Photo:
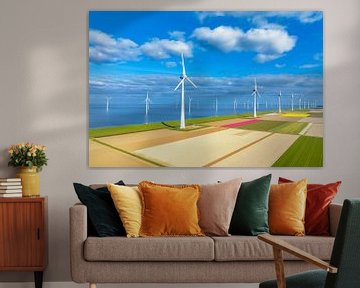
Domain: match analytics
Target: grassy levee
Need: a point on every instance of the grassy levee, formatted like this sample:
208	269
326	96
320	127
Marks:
125	129
283	127
306	151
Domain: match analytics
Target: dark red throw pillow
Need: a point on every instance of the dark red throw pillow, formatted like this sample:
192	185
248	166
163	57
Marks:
319	197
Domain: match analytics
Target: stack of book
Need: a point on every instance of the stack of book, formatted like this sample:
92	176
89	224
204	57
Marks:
10	187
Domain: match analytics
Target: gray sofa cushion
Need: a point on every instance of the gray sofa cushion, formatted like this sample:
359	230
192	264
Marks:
149	249
249	248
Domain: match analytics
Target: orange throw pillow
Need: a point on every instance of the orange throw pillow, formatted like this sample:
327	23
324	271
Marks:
287	204
318	200
169	210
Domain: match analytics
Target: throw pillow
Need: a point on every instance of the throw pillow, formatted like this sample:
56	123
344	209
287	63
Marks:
102	215
169	210
216	206
250	215
127	201
318	200
287	204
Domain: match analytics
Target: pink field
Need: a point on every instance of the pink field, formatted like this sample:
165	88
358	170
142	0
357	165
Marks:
242	123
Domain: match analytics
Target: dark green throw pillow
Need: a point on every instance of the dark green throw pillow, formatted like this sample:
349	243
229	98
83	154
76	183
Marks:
250	216
103	218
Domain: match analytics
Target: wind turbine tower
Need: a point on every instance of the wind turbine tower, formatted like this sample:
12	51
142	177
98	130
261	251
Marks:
147	104
279	99
292	101
190	99
235	105
107	103
183	77
216	106
256	95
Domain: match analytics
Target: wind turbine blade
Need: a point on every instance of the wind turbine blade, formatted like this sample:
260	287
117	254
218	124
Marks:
183	63
259	94
179	84
192	83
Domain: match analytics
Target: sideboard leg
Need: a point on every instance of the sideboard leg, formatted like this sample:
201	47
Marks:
92	285
38	279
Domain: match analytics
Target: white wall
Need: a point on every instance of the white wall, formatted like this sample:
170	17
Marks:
43	90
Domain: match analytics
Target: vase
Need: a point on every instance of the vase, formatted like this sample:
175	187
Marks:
30	181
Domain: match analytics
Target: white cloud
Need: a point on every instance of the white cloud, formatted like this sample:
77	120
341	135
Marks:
302	16
104	48
270	44
318	57
279	66
224	38
203	15
170	64
267	41
309	66
310	16
262	58
177	35
164	48
97	37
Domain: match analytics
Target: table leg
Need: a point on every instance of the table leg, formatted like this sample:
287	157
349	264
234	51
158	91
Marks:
38	279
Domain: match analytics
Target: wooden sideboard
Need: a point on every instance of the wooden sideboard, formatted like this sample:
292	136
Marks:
23	235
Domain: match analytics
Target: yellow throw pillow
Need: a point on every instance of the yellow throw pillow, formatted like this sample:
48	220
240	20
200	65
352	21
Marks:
287	203
127	201
169	210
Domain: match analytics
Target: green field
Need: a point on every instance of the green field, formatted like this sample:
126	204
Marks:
283	127
304	152
118	130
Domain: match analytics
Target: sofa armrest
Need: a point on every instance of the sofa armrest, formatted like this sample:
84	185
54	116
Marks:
334	217
78	235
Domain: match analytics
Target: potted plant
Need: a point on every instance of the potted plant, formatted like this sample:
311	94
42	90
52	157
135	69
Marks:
30	158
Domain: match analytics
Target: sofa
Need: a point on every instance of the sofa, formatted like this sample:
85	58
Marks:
233	259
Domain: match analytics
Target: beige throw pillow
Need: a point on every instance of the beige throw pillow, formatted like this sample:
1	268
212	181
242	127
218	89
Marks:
216	206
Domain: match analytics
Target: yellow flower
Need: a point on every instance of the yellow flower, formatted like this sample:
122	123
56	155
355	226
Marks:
28	154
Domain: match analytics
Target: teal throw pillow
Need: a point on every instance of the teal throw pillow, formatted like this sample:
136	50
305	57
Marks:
250	216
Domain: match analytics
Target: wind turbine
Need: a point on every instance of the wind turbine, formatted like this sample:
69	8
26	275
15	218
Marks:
256	95
147	103
292	101
190	99
183	77
147	107
107	103
216	106
235	105
280	102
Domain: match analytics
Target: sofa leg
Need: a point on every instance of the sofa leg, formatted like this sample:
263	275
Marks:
92	285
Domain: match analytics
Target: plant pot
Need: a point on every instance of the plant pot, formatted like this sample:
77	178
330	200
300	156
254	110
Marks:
30	181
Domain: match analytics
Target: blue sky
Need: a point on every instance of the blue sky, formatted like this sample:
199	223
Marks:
131	52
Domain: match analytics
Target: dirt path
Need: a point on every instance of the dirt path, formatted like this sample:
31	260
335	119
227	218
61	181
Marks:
261	154
200	150
140	140
103	156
